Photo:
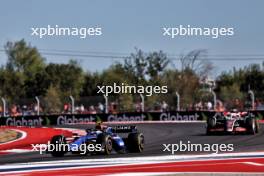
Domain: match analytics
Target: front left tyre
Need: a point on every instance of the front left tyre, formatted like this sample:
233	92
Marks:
106	143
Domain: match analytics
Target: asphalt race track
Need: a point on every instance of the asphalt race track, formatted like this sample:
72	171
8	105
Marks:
155	136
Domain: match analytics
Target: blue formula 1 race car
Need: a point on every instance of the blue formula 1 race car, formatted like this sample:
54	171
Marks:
102	140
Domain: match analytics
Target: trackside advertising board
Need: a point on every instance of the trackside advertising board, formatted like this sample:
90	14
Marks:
46	120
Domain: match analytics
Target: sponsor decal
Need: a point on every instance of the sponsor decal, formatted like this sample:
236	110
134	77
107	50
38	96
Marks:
120	117
72	119
24	122
124	117
177	117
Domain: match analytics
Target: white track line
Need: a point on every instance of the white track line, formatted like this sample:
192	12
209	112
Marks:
135	160
17	150
29	165
253	163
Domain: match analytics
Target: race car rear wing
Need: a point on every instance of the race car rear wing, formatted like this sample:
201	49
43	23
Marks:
124	129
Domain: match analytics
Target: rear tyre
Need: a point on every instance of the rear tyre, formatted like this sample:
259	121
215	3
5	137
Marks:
135	142
58	146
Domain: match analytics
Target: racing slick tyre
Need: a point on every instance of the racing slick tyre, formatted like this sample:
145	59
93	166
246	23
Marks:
106	142
58	146
252	125
135	142
211	122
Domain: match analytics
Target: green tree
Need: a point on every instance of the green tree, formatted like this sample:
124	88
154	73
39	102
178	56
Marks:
52	100
69	78
136	64
25	66
91	80
157	62
24	58
238	82
229	93
12	84
145	67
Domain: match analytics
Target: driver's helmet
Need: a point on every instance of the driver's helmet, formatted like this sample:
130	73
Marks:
99	126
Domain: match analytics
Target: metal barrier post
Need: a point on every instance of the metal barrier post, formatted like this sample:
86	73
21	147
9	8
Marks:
38	104
178	101
252	96
214	94
72	104
4	106
142	103
106	104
